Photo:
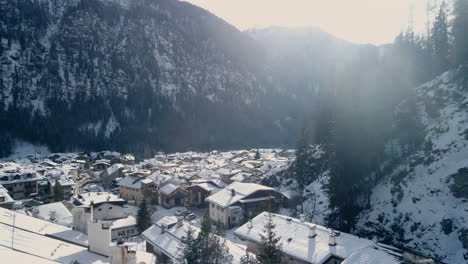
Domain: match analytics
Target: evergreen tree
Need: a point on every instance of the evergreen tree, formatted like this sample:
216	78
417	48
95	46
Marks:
248	259
58	192
301	165
207	247
257	155
460	32
143	217
269	250
191	250
440	40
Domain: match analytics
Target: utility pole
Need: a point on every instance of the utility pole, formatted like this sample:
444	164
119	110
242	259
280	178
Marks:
13	230
12	215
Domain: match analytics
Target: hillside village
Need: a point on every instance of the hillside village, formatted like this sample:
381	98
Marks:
83	207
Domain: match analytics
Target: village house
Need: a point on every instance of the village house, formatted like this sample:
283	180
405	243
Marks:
171	195
67	186
164	239
112	173
239	202
199	191
138	188
304	242
96	205
20	184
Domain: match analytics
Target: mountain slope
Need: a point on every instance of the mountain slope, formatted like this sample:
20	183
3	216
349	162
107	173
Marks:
133	75
423	202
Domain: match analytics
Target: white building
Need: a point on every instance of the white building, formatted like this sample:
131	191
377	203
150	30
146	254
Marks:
99	205
304	242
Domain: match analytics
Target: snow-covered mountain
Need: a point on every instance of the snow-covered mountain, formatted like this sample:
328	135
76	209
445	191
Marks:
423	202
135	75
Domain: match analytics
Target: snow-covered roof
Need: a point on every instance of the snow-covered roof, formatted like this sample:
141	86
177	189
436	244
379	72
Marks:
169	241
168	188
53	212
224	198
42	227
131	182
372	255
47	247
295	240
208	187
13	256
123	222
97	198
114	168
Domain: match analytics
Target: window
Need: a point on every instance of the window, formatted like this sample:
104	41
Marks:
110	208
100	209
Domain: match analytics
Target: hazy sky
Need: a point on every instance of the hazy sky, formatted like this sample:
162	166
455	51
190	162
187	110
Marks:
359	21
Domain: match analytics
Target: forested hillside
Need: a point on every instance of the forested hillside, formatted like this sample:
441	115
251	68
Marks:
134	76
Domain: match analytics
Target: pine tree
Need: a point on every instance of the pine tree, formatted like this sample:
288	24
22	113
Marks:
440	40
301	165
58	192
460	32
248	259
257	155
269	250
143	217
207	247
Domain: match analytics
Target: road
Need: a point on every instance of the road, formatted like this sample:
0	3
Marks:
90	178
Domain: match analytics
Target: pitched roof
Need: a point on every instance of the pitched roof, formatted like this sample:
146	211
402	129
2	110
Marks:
169	241
168	188
131	182
224	198
54	212
42	227
46	247
294	236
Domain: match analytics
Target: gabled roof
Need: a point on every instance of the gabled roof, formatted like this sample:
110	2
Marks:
295	240
224	198
169	188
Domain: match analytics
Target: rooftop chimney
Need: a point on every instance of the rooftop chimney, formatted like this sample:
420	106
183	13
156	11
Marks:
233	193
312	231
108	198
179	222
332	241
249	224
163	228
302	217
